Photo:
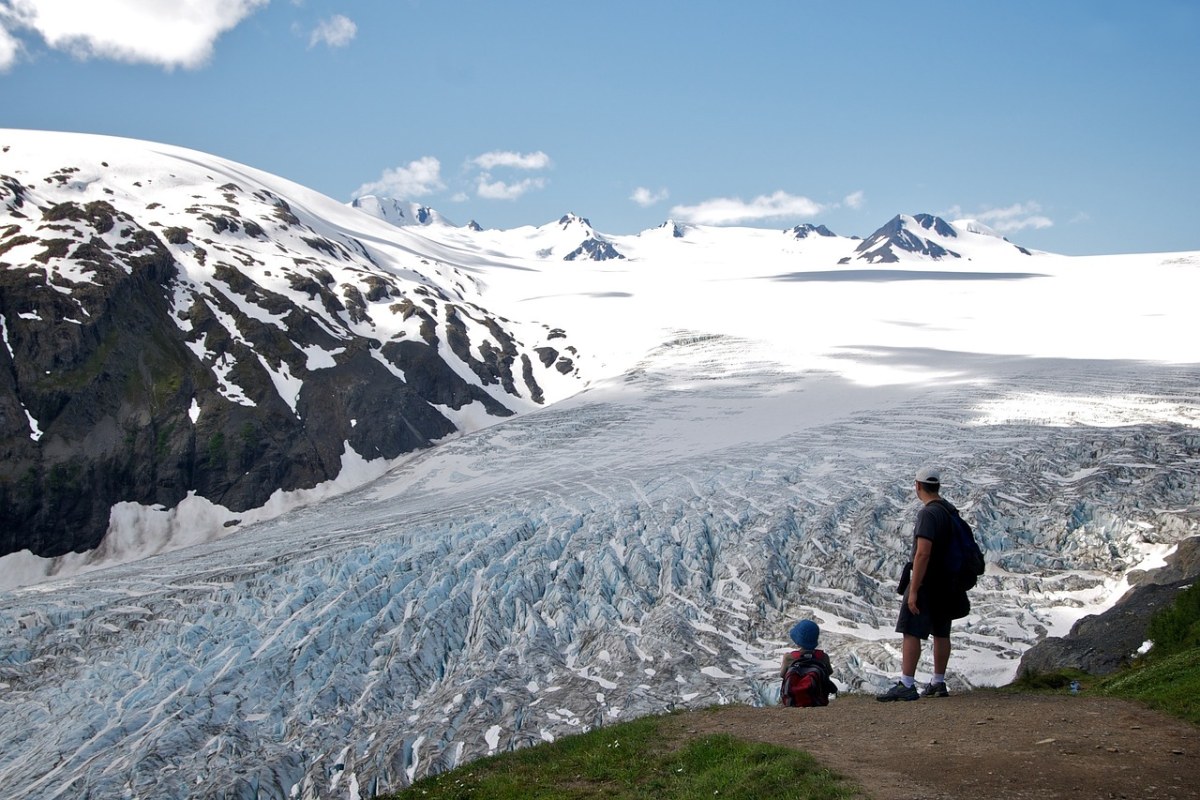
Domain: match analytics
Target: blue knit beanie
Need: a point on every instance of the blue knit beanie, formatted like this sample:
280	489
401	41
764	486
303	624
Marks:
805	633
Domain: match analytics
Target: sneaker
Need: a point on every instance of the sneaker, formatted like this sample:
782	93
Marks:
899	692
935	690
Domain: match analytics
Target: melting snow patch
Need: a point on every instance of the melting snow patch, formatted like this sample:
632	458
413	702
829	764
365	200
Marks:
411	769
714	672
35	431
320	358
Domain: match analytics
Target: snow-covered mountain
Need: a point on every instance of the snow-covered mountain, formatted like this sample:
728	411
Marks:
180	329
808	229
925	236
398	212
742	456
569	238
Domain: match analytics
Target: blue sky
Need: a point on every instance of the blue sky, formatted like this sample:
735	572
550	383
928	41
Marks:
1068	125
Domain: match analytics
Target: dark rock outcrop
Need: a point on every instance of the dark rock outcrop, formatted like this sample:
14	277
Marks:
593	249
1103	643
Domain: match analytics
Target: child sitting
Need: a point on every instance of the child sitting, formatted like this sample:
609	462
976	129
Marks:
807	673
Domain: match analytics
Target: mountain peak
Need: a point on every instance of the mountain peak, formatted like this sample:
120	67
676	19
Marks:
926	236
907	236
398	212
808	229
677	230
936	224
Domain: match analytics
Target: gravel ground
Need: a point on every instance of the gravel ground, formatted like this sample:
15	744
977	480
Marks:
982	745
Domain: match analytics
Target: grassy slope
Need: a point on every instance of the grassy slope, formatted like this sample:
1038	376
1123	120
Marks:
636	760
1170	684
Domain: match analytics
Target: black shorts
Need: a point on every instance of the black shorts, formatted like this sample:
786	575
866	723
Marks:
934	617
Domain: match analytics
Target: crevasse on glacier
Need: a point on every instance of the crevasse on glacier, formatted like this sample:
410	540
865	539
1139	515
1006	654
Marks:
612	556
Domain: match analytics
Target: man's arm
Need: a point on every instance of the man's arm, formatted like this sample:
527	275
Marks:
919	567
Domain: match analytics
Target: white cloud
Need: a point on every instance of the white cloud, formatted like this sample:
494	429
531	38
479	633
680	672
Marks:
10	48
337	31
732	210
500	190
1016	217
175	34
419	178
646	198
490	189
855	200
506	158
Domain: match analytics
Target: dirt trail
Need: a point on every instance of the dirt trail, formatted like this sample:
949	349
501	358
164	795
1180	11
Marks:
982	745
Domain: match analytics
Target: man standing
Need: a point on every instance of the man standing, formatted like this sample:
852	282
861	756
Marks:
928	603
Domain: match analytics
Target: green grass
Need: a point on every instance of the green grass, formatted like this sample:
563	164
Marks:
638	760
1170	684
1177	627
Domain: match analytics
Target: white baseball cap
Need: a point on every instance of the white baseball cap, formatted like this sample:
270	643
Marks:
929	475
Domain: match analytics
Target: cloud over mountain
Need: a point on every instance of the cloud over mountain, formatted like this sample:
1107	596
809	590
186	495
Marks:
417	179
733	210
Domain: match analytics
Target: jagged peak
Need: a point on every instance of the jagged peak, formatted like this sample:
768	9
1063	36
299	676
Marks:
935	224
570	218
677	230
898	234
808	229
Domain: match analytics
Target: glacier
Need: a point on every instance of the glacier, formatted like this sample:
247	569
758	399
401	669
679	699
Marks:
742	456
580	565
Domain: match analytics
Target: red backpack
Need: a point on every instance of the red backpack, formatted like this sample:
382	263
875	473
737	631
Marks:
806	682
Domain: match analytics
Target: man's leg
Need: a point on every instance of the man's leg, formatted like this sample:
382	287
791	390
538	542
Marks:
910	654
941	654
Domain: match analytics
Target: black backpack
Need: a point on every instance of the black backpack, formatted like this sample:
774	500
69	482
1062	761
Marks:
964	560
805	683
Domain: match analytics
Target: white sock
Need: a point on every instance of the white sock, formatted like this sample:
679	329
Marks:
908	680
938	678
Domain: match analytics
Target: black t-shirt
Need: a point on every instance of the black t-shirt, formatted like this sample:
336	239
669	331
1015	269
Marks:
933	523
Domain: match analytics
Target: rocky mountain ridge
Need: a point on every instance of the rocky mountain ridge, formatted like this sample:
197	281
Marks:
175	328
922	235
